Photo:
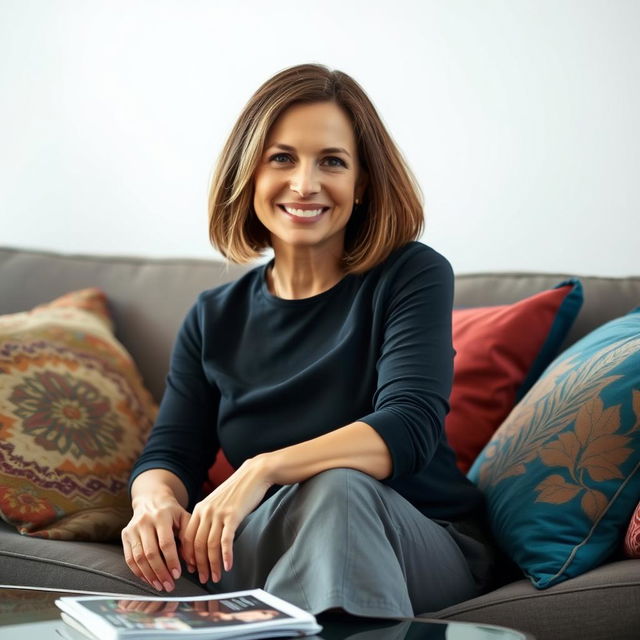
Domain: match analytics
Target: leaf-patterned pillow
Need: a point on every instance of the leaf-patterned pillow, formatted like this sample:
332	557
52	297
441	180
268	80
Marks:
562	473
74	416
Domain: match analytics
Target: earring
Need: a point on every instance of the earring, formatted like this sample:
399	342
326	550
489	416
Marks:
357	201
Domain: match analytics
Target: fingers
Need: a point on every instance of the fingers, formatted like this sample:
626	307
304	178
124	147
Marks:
208	545
186	546
152	555
226	543
207	551
136	558
186	542
169	552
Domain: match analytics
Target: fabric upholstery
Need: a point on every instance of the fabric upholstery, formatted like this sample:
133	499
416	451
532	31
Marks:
148	298
600	604
75	565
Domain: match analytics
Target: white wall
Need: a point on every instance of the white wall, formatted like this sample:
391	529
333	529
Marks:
519	118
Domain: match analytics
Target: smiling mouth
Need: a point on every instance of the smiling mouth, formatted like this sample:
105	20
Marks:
302	214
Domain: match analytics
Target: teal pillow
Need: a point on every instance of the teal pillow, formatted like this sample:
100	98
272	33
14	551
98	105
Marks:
561	474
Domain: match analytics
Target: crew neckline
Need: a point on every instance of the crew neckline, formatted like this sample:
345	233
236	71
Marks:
297	301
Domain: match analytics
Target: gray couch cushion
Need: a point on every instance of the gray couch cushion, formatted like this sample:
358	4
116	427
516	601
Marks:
86	566
603	603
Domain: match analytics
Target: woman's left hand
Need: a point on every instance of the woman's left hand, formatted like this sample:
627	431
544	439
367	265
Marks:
207	541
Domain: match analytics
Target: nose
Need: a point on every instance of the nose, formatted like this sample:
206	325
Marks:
305	180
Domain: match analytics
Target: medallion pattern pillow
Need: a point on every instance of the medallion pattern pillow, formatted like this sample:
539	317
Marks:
562	473
74	415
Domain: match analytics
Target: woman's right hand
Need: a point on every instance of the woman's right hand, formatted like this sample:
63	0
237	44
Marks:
149	540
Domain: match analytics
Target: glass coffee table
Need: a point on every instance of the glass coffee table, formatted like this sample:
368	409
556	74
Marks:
30	614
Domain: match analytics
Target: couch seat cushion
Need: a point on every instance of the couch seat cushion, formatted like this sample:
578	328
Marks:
74	565
602	603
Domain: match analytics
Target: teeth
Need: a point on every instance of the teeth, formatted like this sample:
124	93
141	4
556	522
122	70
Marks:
302	213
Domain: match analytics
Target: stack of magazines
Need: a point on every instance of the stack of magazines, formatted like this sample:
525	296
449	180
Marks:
241	614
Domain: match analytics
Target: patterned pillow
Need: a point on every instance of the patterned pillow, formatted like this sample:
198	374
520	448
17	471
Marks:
561	475
632	539
500	352
74	416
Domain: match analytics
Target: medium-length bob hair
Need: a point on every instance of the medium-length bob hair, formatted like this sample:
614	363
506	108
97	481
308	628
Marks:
390	213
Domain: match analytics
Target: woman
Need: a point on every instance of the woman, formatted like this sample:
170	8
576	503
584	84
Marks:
323	375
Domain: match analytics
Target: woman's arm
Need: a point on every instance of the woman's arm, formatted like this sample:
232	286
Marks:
159	481
167	477
158	498
355	446
207	543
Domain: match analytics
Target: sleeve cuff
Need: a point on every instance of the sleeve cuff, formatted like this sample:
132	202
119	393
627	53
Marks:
389	425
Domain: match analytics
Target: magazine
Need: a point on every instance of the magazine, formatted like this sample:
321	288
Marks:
242	614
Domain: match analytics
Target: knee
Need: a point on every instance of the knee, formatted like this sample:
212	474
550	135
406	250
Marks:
339	485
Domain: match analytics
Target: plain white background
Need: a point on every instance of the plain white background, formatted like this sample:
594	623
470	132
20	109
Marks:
518	117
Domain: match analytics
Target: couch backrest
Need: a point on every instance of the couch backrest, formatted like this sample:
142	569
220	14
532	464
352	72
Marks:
149	297
604	298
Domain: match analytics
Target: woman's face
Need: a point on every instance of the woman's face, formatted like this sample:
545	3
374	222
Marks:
310	163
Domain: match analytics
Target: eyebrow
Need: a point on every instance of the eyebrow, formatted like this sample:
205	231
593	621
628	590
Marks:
286	147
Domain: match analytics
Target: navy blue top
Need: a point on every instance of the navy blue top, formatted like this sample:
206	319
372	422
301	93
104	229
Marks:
251	372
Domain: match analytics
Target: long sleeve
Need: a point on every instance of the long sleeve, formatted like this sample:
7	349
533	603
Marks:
415	366
184	436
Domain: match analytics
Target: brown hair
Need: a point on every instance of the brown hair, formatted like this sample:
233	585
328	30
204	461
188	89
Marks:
390	213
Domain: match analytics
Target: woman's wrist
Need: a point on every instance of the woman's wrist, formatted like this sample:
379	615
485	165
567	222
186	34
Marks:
265	466
158	483
159	493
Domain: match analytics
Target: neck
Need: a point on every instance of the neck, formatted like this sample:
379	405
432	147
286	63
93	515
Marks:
303	274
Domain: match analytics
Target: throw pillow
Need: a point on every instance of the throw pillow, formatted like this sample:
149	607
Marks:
632	539
218	472
74	415
500	352
561	475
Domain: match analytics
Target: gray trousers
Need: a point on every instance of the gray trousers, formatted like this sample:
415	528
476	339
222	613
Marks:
344	540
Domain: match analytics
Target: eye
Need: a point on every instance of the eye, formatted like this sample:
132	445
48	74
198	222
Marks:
340	160
279	155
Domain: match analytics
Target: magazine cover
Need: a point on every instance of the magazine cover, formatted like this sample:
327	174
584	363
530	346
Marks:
253	613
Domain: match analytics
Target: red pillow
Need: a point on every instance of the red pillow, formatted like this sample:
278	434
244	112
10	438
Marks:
218	472
500	352
632	539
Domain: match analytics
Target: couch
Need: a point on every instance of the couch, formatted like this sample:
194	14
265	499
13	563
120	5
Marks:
148	298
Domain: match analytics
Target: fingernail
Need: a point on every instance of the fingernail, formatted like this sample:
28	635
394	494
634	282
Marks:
190	568
175	573
202	578
157	585
168	586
